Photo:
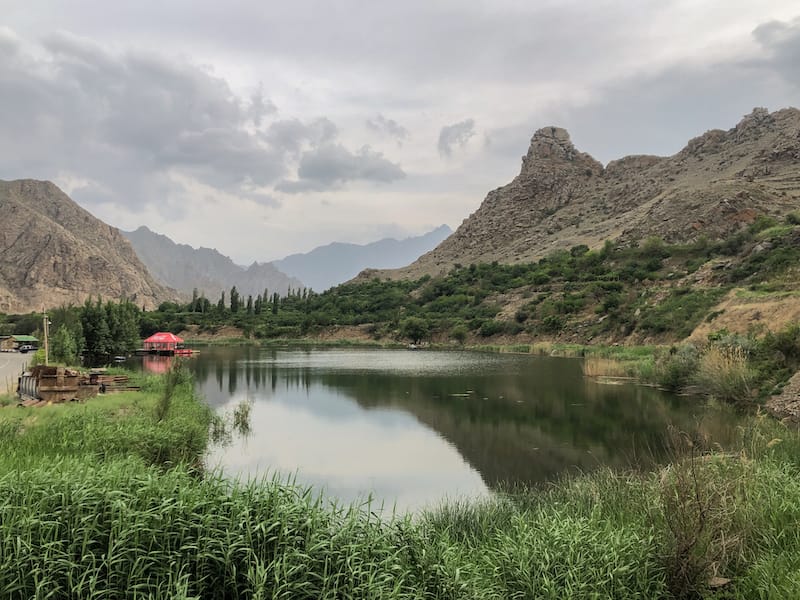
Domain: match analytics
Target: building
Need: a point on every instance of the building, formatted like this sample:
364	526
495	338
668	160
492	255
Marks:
9	343
163	343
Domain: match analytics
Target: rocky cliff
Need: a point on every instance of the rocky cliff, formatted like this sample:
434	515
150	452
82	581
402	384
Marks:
721	181
53	252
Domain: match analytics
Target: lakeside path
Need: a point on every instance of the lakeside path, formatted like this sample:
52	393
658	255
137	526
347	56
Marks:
10	368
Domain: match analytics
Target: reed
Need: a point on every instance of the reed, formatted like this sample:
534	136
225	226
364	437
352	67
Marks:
105	501
724	372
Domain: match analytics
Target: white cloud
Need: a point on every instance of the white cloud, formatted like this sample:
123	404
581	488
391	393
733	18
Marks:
268	109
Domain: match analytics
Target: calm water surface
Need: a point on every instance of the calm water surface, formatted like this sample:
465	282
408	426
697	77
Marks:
412	428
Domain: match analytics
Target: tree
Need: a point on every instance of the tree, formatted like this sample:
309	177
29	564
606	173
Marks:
64	346
221	303
275	302
95	328
235	301
249	305
414	328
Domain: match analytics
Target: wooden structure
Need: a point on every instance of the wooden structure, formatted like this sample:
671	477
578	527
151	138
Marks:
51	385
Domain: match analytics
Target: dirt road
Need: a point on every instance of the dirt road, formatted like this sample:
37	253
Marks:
11	364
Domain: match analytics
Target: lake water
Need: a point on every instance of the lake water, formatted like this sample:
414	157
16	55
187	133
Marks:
413	428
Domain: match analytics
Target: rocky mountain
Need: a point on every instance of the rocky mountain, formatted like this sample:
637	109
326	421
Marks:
53	252
721	181
336	263
210	272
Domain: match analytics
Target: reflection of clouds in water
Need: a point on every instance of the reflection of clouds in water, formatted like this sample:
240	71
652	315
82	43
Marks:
391	456
393	361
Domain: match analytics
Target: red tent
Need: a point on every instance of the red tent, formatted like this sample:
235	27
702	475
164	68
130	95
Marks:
162	341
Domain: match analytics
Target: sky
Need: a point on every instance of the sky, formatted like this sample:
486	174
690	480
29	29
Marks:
265	128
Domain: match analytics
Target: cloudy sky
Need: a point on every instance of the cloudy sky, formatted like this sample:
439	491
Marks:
263	128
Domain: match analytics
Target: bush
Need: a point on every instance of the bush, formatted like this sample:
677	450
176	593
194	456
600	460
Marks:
675	369
492	327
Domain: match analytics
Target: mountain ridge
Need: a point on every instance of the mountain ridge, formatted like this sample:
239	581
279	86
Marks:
54	252
337	262
719	182
205	269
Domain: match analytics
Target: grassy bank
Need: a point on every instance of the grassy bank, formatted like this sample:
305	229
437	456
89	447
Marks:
106	499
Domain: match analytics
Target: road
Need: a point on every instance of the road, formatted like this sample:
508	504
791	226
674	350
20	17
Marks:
11	364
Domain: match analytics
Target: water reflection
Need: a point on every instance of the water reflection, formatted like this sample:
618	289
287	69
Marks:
416	426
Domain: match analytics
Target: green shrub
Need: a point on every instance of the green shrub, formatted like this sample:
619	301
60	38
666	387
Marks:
675	368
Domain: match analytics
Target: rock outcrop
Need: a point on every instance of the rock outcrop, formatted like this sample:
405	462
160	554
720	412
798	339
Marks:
721	181
53	252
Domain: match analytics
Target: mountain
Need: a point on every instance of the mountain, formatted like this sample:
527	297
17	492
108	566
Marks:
720	182
336	263
210	272
53	252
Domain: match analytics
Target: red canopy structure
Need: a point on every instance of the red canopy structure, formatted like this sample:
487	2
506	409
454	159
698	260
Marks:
162	341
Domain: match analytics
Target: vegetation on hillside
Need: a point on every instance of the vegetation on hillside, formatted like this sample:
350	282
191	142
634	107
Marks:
653	291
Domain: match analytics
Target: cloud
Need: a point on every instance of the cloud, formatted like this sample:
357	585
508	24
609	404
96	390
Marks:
128	120
292	135
388	127
331	165
457	134
782	42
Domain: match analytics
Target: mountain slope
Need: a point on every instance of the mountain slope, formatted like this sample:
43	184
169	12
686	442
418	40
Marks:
336	263
717	184
210	272
53	252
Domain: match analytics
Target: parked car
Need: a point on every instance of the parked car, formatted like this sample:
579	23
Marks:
25	348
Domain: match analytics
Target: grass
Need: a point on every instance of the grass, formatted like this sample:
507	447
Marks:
106	500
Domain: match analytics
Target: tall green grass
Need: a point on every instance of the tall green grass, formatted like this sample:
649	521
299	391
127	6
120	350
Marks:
105	500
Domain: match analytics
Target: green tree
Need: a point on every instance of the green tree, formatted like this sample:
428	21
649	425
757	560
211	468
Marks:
96	333
414	329
235	300
64	346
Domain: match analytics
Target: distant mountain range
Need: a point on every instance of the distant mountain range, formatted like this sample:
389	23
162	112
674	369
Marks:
210	272
187	268
330	265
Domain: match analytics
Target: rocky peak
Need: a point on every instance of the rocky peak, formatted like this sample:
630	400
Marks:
552	142
720	182
553	145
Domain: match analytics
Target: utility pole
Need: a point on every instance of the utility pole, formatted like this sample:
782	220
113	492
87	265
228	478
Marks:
46	343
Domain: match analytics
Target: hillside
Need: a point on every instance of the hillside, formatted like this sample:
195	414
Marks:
53	252
720	182
336	263
186	268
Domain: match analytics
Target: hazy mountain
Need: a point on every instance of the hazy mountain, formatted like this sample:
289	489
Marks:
53	252
186	268
720	182
336	263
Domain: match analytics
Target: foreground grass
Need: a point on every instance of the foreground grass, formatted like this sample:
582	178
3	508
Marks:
105	500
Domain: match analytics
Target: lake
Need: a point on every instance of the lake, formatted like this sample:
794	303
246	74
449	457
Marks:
411	428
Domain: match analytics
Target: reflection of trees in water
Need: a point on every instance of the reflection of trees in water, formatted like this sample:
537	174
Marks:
529	425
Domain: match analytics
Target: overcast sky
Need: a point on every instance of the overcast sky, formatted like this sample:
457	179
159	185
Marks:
264	128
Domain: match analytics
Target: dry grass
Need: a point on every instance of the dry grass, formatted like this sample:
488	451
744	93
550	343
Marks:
741	310
724	372
605	367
